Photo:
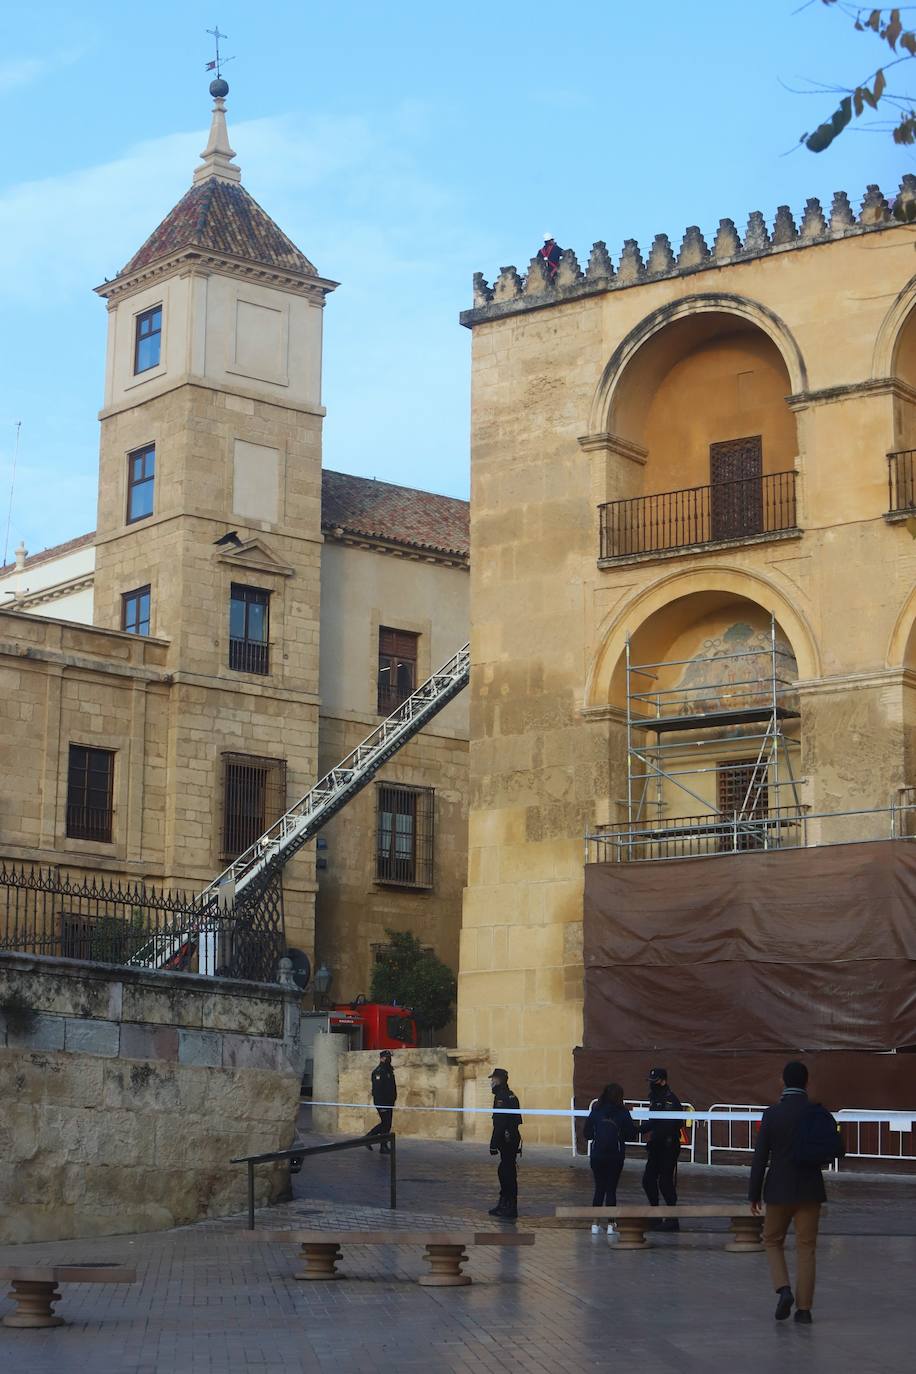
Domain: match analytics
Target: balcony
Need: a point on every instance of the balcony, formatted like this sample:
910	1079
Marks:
249	656
901	482
745	510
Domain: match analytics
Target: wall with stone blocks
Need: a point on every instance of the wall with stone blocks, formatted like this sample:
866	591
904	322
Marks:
425	1078
126	1093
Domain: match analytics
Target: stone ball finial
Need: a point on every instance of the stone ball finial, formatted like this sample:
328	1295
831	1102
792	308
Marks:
219	88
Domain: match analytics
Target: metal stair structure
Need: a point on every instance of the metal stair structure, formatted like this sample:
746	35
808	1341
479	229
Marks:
253	870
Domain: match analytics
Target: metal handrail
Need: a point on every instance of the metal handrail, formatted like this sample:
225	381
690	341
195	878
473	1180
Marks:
298	1153
742	508
901	481
768	826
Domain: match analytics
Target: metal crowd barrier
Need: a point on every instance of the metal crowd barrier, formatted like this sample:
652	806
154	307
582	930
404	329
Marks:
866	1139
740	1136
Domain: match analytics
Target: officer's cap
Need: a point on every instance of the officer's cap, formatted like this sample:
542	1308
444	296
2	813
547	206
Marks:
658	1075
500	1073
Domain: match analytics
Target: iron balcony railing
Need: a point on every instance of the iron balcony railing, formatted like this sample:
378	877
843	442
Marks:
901	481
787	827
249	656
734	510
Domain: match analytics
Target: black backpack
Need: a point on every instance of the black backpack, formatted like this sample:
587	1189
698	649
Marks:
607	1142
817	1138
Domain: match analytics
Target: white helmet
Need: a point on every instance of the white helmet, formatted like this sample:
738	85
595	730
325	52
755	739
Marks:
548	238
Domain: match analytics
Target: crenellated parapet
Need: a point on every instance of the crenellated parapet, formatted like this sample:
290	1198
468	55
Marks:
512	293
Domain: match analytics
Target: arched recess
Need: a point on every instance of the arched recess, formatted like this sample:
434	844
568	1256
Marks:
885	357
735	582
739	308
901	650
895	356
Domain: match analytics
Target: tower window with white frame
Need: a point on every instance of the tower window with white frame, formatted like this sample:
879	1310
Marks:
148	339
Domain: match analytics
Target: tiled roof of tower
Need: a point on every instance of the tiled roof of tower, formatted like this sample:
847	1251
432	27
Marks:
423	519
220	216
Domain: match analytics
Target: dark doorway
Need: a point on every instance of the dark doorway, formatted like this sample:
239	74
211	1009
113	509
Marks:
736	488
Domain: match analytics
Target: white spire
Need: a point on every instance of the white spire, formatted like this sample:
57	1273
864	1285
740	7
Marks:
217	156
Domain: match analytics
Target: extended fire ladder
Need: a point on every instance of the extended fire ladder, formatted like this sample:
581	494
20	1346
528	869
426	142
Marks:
264	859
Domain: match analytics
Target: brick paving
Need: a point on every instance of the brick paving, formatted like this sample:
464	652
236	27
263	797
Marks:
209	1300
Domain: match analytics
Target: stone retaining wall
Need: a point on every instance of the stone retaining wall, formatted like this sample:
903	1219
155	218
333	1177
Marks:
126	1092
425	1078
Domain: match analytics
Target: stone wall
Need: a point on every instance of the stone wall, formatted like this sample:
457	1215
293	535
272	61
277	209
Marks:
126	1093
425	1078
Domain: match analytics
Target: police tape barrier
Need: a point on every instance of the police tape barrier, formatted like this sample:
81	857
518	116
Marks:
903	1121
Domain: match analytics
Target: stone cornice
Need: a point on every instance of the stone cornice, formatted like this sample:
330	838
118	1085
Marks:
134	401
872	386
415	553
608	443
201	259
52	593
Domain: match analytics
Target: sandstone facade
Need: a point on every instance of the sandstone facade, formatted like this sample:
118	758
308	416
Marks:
611	385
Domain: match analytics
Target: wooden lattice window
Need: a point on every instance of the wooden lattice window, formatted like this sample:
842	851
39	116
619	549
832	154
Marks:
743	792
736	488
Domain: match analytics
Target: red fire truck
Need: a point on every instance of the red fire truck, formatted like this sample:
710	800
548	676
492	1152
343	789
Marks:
376	1025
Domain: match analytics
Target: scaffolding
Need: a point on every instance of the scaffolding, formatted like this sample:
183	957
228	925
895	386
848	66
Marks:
764	809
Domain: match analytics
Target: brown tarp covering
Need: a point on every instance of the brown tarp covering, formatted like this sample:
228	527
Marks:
722	967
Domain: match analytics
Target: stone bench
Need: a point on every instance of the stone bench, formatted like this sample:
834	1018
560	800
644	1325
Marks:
446	1251
632	1222
35	1289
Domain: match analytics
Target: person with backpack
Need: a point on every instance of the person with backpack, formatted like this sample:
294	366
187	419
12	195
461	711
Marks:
796	1141
609	1126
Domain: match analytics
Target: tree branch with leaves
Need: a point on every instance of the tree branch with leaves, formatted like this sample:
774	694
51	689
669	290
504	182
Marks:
887	26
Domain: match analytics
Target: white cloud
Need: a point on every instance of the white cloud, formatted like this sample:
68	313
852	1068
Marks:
17	72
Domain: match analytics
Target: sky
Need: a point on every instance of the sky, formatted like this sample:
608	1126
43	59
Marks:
402	147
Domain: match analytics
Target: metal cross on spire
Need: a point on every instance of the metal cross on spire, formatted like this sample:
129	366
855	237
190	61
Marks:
219	62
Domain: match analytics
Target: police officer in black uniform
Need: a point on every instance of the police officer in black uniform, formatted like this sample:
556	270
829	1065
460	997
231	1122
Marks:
506	1141
384	1096
663	1146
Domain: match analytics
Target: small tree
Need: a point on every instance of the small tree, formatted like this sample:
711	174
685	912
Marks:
414	977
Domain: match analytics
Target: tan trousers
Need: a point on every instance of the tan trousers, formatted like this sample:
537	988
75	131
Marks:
779	1217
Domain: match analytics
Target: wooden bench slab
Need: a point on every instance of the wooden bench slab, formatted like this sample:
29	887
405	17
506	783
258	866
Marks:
34	1288
632	1222
445	1250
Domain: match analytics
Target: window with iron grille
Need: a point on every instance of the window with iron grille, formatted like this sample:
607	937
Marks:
249	625
254	796
141	478
397	667
90	790
743	792
135	611
404	835
148	339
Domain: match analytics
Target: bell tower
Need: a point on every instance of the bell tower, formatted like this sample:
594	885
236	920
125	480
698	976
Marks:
210	497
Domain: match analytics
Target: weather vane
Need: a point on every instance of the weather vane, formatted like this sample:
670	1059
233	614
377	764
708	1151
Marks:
218	62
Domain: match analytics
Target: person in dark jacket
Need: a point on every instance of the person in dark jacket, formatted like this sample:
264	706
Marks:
791	1191
663	1146
506	1141
384	1095
609	1126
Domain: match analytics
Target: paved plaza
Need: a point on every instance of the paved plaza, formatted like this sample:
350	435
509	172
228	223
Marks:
209	1299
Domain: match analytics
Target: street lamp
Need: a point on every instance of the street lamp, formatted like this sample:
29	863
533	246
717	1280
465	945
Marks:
321	982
